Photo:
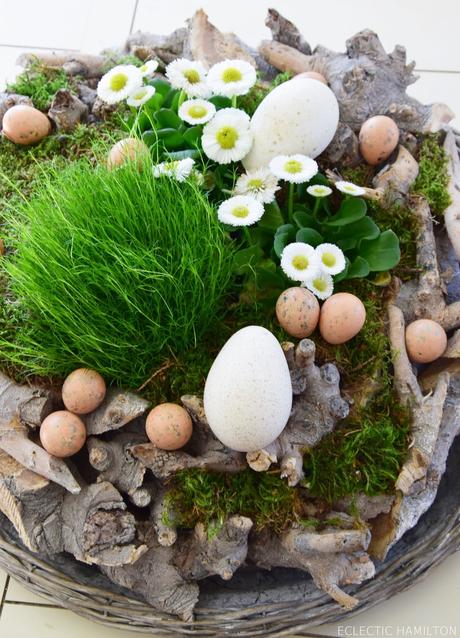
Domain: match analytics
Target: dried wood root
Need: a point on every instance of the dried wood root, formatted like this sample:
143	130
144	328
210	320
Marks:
317	408
398	177
8	100
284	31
67	110
332	557
452	212
118	409
72	62
30	404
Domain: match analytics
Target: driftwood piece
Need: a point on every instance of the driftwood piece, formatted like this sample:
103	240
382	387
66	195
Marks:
163	518
118	409
284	31
426	411
7	100
165	47
332	557
72	62
452	212
367	507
67	110
398	177
30	404
316	409
344	148
97	529
374	194
32	504
366	81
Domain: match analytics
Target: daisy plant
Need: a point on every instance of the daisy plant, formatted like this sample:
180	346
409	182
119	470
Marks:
294	169
261	184
178	169
118	83
227	137
232	78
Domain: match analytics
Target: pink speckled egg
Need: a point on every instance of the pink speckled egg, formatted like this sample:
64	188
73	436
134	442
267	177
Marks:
342	317
24	125
62	434
127	150
83	391
169	426
297	311
312	75
426	340
378	138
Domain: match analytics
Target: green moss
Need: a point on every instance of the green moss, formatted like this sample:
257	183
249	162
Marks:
259	91
40	83
211	497
433	177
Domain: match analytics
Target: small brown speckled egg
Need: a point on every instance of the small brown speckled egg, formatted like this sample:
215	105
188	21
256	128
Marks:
378	138
125	150
312	75
23	124
342	317
62	434
297	311
83	391
169	426
426	340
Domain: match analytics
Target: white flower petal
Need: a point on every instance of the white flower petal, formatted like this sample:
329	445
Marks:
118	83
350	189
260	184
294	168
240	210
321	284
299	261
318	190
331	258
227	137
140	96
231	77
188	76
197	111
148	68
178	169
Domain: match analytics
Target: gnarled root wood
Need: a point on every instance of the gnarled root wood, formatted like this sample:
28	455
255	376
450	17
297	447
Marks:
317	408
398	177
67	110
72	62
118	409
452	212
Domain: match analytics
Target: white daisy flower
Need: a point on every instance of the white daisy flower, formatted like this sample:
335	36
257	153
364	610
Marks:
140	96
300	261
231	77
188	76
261	184
331	258
350	189
227	137
197	111
318	190
240	210
321	284
294	168
178	169
148	68
119	83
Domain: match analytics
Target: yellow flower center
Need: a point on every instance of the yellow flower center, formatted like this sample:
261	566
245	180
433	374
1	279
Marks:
231	75
139	94
118	81
171	166
192	75
349	188
328	259
240	211
197	111
227	137
143	68
293	166
320	284
300	262
255	184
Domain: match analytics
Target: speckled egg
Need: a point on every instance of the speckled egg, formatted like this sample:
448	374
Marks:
378	138
297	311
426	340
311	75
342	317
169	426
62	434
83	391
25	125
126	150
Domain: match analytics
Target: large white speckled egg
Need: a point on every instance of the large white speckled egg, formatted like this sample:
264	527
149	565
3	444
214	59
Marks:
296	117
248	392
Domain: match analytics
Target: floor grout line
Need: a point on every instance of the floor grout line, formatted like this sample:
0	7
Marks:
447	71
136	4
31	46
5	589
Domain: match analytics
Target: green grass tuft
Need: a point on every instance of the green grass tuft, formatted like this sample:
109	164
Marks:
433	176
113	270
40	83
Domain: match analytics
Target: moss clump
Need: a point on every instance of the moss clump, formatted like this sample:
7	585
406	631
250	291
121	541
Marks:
259	91
210	498
40	83
113	270
433	177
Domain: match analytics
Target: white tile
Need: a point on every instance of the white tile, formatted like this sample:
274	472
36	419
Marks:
19	621
84	25
3	577
17	593
427	30
439	87
434	601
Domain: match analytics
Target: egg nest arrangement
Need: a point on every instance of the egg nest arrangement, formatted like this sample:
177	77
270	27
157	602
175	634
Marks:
229	321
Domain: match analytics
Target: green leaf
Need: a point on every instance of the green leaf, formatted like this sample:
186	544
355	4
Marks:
286	228
166	118
150	137
245	260
348	243
180	155
193	134
220	102
171	138
382	253
280	243
272	217
358	269
309	236
350	211
303	220
364	228
144	123
161	86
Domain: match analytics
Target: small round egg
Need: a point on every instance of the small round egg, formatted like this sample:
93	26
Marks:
297	311
23	124
83	391
62	434
426	340
378	138
342	317
169	426
125	150
312	75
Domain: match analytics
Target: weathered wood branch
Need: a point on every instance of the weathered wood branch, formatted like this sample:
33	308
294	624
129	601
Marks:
72	62
452	212
118	409
285	32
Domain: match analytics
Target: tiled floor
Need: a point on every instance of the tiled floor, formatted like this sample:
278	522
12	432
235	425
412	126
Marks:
429	32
